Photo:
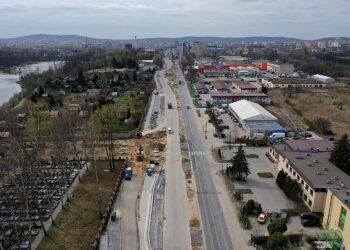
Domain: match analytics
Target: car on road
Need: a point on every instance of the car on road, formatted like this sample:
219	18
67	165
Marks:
170	131
156	93
311	222
274	216
262	218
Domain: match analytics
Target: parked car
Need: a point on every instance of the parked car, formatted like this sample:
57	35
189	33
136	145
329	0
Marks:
284	216
170	131
274	216
312	222
262	218
307	215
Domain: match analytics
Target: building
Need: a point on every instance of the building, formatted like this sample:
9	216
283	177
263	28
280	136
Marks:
336	215
5	135
322	78
280	68
307	161
92	94
254	118
226	60
146	65
308	44
200	88
186	48
220	99
199	49
221	87
292	82
321	44
244	87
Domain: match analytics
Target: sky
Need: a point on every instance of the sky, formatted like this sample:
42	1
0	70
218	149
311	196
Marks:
117	19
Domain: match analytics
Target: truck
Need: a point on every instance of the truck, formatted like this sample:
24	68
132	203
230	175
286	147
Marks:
170	106
128	174
277	135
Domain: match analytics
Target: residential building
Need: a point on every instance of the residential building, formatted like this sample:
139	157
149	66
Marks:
292	82
336	215
307	161
5	135
200	88
146	65
308	44
254	118
280	68
219	99
186	48
91	94
199	49
54	113
244	87
221	87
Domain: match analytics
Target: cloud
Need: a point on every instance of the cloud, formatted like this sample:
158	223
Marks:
149	18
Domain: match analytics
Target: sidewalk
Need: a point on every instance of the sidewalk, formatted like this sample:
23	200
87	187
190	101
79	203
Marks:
145	211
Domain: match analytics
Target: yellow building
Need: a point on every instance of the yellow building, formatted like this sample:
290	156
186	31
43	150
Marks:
337	214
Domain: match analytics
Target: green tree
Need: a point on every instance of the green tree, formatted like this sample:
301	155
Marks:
340	155
281	178
158	60
250	206
239	168
81	79
292	189
264	89
277	241
278	225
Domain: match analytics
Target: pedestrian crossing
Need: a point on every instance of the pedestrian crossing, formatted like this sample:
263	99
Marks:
197	153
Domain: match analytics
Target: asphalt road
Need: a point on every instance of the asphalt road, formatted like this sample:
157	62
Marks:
176	224
214	226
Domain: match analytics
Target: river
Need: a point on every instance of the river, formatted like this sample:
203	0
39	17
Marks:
8	81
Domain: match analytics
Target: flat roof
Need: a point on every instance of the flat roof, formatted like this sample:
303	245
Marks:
264	126
314	167
343	195
294	80
237	94
220	85
243	85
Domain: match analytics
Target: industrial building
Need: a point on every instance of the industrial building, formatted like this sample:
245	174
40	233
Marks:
280	68
244	87
224	99
322	78
292	82
255	119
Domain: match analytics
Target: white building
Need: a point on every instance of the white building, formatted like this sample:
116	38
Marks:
322	78
254	118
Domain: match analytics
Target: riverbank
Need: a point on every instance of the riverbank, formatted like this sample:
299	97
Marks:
11	93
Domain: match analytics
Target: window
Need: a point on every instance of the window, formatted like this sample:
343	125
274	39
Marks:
305	197
342	218
310	203
311	192
307	187
302	182
293	173
298	177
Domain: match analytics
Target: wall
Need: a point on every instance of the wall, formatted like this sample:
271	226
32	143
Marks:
331	217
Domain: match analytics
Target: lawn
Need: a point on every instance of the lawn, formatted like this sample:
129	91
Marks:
76	225
265	175
244	190
252	156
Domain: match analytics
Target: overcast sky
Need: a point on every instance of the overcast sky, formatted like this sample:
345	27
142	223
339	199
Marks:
308	19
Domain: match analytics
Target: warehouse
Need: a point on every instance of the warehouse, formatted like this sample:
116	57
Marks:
255	119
